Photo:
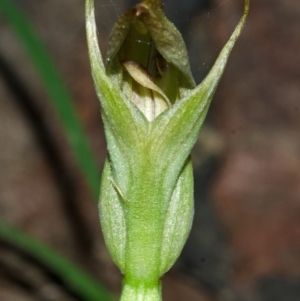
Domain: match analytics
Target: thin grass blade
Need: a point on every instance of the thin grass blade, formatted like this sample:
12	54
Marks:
75	278
57	91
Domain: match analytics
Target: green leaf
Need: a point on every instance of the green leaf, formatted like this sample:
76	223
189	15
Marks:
112	216
178	218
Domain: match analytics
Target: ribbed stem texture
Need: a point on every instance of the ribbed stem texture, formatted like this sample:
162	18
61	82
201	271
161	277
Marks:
141	292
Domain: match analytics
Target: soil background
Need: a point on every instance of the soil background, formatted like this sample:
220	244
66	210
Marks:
245	241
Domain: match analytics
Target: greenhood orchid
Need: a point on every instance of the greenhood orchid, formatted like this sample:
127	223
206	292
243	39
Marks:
152	113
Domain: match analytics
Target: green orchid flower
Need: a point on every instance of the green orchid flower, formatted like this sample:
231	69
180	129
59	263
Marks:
152	113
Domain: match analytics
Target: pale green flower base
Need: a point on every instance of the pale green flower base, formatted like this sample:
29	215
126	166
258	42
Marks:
141	292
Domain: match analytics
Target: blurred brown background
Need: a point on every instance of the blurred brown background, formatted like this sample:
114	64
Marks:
245	243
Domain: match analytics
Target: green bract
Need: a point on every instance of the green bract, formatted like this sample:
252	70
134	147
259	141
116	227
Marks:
152	114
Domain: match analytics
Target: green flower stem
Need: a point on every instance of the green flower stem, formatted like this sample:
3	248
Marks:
141	292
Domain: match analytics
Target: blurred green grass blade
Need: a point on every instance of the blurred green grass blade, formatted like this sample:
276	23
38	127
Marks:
58	94
76	279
